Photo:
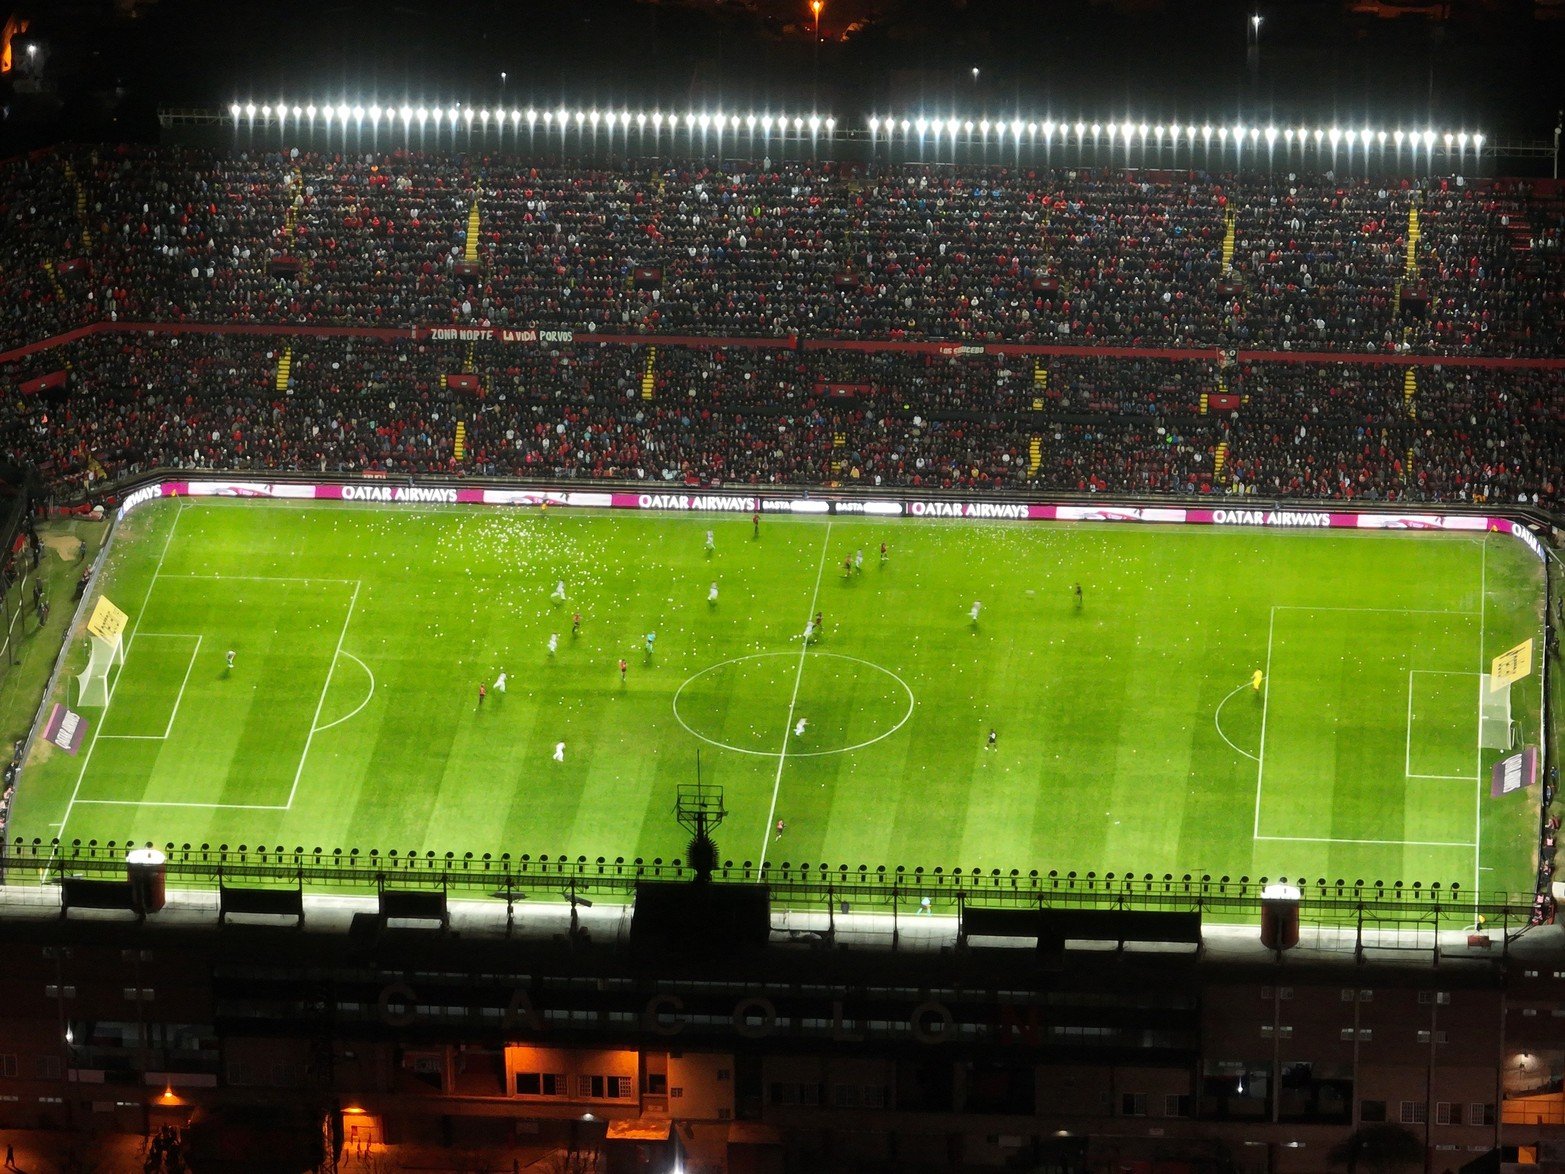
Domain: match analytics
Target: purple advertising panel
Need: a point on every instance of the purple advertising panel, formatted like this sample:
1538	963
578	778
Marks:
65	728
386	492
1515	772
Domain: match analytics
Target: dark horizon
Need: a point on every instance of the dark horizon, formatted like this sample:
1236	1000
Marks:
1483	66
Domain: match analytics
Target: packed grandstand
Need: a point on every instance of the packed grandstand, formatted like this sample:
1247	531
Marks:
769	323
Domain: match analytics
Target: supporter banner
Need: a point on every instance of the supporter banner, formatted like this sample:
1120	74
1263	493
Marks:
45	382
462	382
1513	773
384	491
71	266
65	728
1220	402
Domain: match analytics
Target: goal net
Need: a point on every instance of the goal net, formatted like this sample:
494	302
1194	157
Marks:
105	629
1494	714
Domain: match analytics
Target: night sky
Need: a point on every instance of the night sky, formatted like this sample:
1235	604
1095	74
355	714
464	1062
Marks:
1484	64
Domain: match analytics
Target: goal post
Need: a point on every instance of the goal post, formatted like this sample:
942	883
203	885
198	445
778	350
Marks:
1494	713
106	633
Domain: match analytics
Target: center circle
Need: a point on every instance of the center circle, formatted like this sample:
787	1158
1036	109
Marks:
744	704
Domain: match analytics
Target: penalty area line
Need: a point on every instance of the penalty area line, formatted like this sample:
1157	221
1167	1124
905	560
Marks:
331	668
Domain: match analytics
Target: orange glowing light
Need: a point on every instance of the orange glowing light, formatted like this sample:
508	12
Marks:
15	26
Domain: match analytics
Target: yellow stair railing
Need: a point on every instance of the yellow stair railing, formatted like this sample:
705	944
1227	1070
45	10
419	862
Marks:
1230	239
459	448
1220	458
1034	455
1409	390
284	369
649	381
470	253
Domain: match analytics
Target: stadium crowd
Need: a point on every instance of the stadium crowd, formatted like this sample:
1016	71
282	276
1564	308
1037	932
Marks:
769	249
751	416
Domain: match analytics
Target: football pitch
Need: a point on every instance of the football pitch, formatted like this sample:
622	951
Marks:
1127	735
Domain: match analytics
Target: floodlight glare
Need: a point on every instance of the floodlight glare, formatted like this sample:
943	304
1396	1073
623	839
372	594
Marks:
1190	132
1222	133
1081	129
249	109
983	127
904	126
1350	136
297	113
1477	142
1271	135
1335	135
233	109
966	126
831	124
1127	130
358	114
1448	140
1097	129
798	123
310	110
1016	127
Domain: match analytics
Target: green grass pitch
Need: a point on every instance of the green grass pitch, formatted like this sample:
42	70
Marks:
1128	736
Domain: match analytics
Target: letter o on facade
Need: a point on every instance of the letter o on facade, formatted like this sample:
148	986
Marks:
397	992
755	1004
658	1003
932	1022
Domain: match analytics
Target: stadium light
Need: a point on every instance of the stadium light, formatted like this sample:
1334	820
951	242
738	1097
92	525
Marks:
234	109
1477	142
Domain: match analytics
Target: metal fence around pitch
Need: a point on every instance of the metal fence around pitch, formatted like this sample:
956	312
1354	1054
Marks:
346	871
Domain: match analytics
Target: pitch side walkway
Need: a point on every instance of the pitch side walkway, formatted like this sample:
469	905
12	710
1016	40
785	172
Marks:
907	930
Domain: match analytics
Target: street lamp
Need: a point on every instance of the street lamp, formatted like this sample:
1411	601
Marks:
815	7
1254	47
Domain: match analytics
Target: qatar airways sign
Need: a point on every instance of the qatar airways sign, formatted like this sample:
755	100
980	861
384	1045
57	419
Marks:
383	493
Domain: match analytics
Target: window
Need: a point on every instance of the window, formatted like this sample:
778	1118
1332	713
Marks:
1480	1114
138	994
48	1067
589	1086
1372	1112
1414	1113
8	1065
1366	996
1425	1036
1447	1114
657	1084
59	992
540	1084
847	1096
1365	1034
1283	1032
1175	1105
1133	1104
1347	994
1433	998
1285	992
874	1096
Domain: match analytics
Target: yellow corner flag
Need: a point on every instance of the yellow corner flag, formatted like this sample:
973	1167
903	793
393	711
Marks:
1255	680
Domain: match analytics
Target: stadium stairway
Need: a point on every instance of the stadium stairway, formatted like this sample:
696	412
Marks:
649	374
1409	390
291	220
459	446
54	280
284	369
1230	240
1034	455
1219	459
81	203
1414	233
470	253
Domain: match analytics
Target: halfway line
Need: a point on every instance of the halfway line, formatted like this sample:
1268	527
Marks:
782	756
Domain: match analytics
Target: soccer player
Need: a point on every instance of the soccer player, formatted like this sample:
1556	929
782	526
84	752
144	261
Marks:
576	624
482	693
798	727
711	595
499	683
623	668
650	640
847	566
820	624
993	737
711	542
554	643
781	827
1255	680
884	553
1076	590
559	591
858	560
230	658
809	630
559	752
755	521
973	615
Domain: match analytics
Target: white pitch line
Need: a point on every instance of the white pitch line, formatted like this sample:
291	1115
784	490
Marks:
361	704
330	669
135	627
260	578
1216	721
1407	757
195	652
782	756
1409	611
1266	700
1483	606
171	803
1338	840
